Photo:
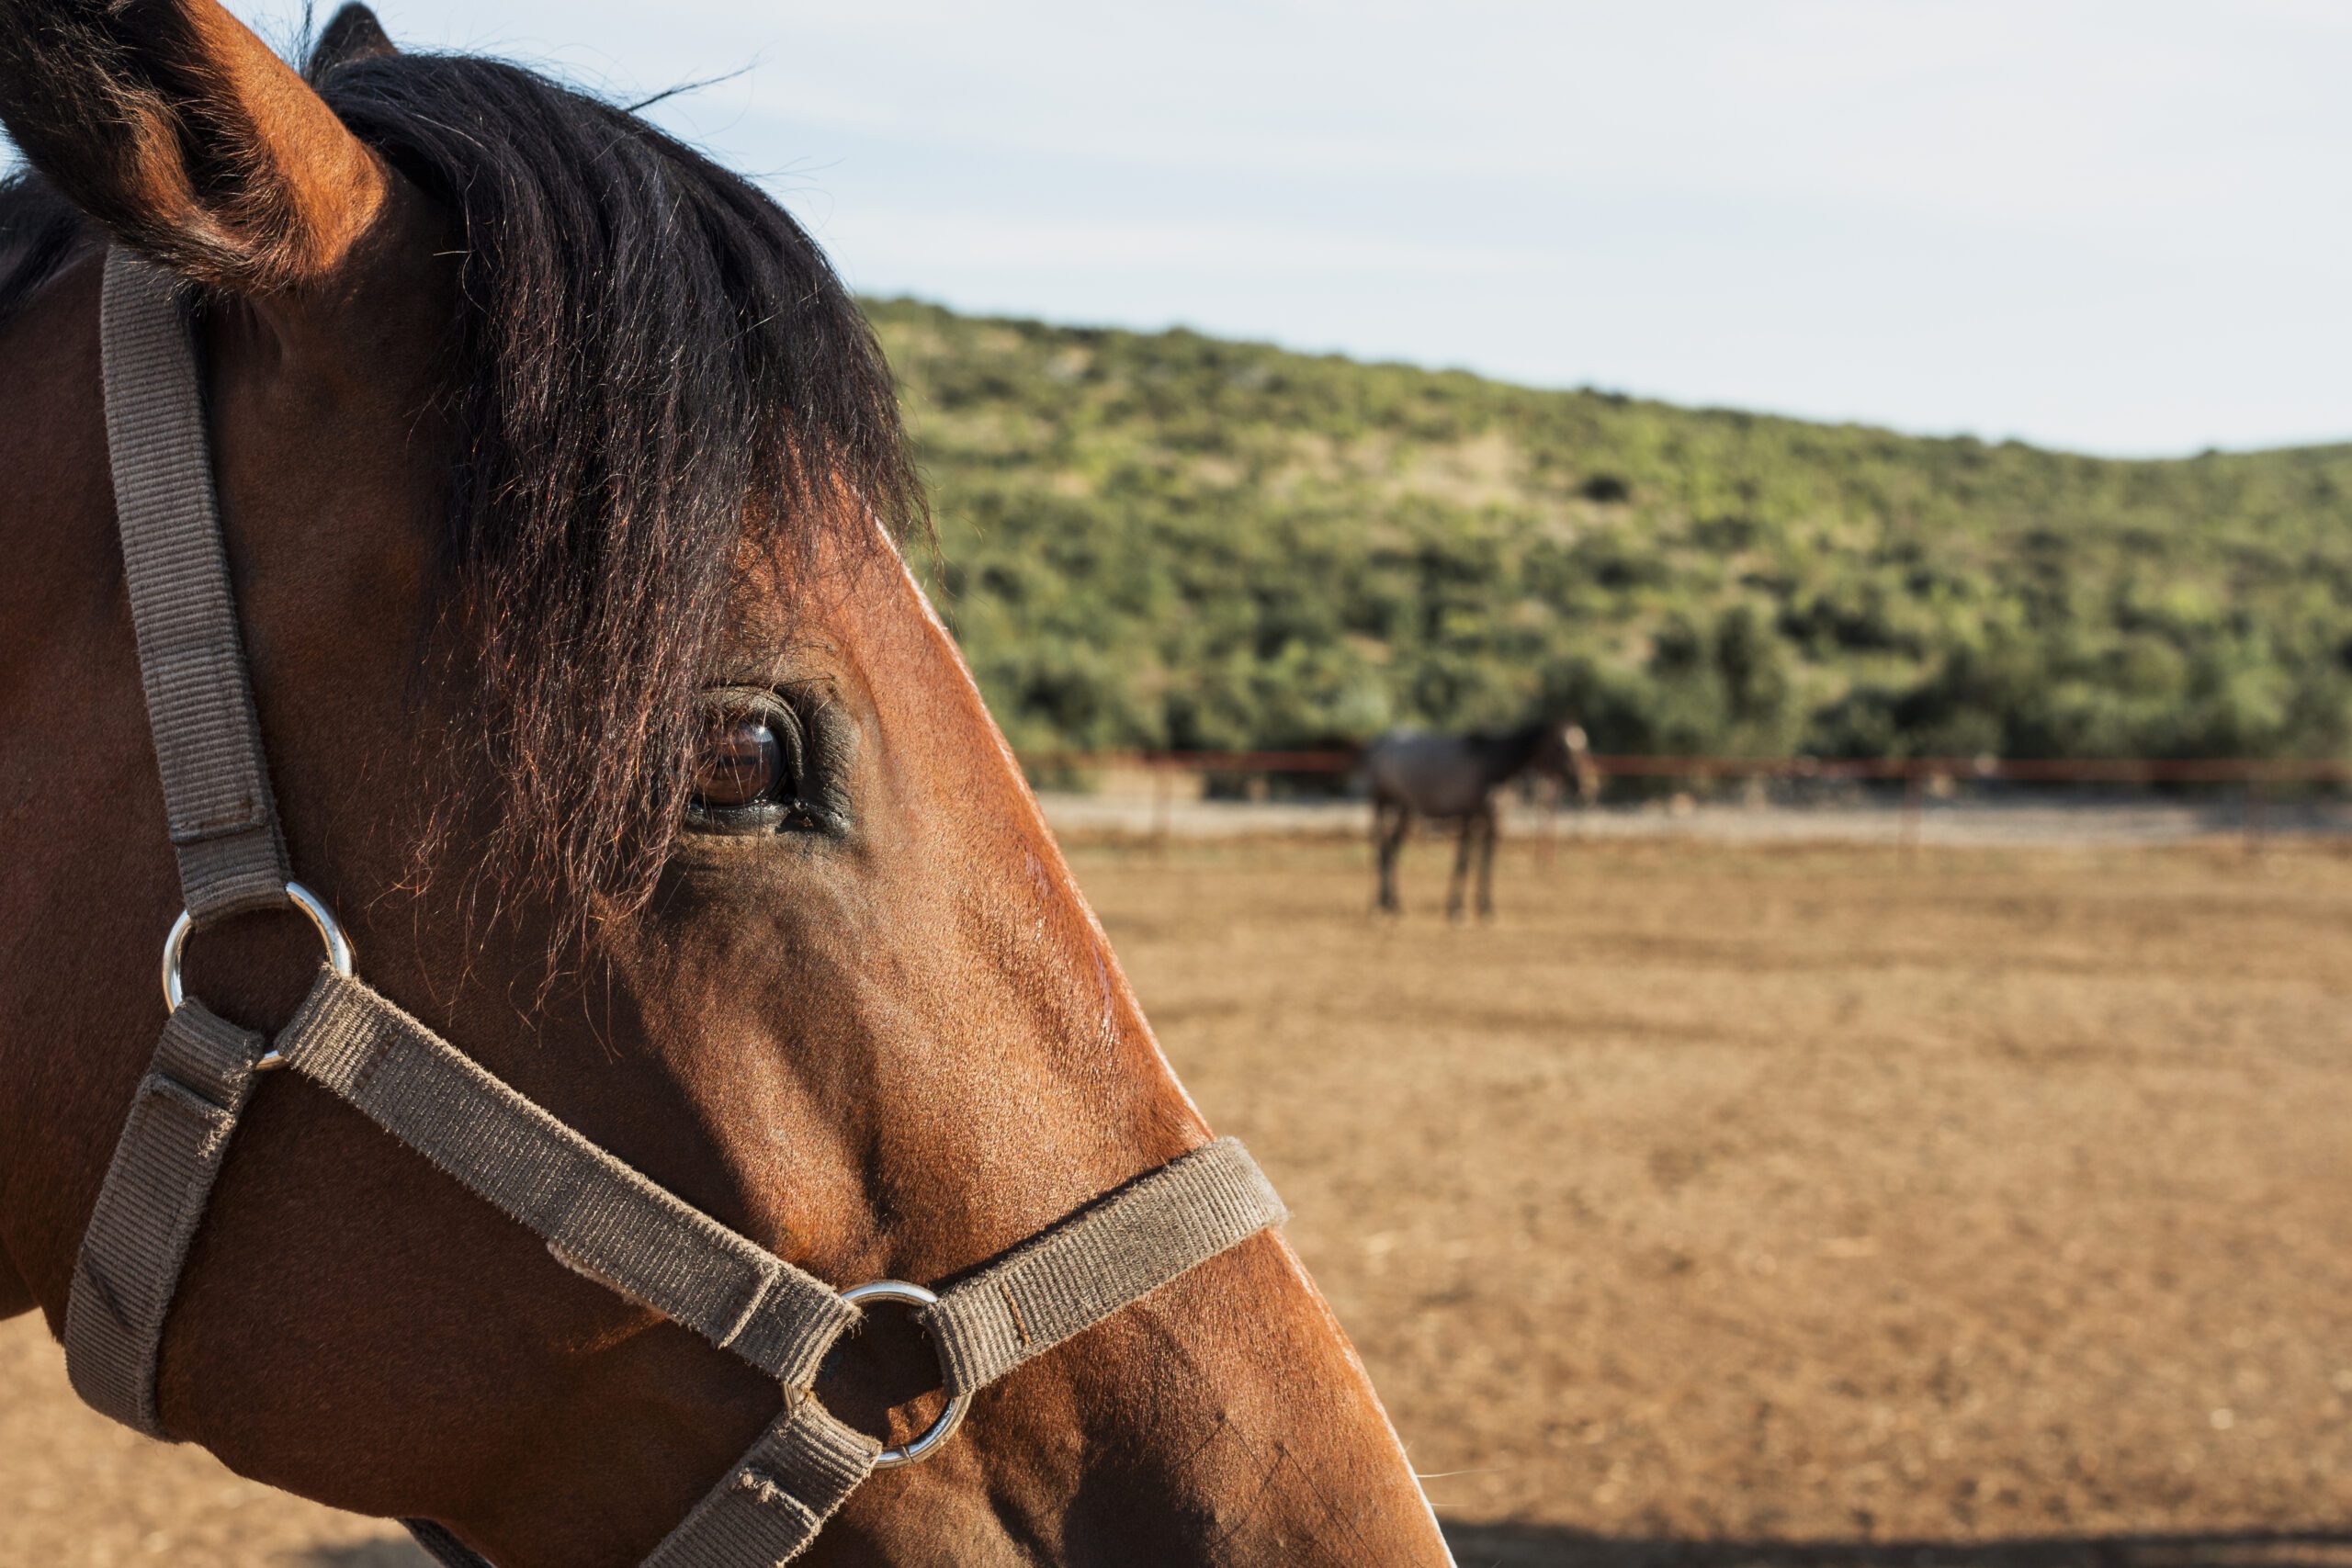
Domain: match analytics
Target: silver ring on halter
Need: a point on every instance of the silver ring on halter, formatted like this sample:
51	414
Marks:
949	1418
330	929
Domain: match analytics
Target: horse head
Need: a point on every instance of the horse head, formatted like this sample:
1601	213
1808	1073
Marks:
563	492
1565	752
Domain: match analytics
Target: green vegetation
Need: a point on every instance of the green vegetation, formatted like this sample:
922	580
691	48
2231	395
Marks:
1172	541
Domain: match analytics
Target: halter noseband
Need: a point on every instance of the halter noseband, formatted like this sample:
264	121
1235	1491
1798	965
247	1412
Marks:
595	1212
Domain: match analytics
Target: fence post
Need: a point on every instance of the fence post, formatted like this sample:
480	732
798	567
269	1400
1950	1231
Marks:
1162	805
1914	806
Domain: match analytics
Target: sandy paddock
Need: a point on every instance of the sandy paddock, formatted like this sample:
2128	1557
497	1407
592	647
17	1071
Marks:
1720	1203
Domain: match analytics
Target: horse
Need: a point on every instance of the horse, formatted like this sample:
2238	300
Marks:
1412	773
565	505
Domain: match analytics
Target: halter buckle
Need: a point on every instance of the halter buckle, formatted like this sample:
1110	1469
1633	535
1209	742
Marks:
949	1418
331	934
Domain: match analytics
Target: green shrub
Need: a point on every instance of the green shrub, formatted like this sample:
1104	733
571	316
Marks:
1155	540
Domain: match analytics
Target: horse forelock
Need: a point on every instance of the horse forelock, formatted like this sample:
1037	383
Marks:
656	376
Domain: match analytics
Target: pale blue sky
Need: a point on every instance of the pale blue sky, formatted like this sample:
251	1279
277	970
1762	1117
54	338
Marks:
2115	227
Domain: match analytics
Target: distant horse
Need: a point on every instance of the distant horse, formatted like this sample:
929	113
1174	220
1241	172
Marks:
1455	777
561	480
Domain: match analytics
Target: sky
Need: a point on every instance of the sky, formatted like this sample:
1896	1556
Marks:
2117	227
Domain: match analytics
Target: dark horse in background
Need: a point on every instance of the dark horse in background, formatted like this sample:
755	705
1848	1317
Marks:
561	482
1412	774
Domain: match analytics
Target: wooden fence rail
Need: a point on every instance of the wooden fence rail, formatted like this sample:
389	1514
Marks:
2256	775
1894	770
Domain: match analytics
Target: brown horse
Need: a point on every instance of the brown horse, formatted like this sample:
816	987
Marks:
560	478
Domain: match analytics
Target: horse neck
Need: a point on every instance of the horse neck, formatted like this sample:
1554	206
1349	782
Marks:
1504	757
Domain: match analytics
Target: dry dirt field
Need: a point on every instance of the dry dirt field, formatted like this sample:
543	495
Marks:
1719	1204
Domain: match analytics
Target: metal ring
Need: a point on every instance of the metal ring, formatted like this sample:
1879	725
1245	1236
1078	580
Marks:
949	1418
338	946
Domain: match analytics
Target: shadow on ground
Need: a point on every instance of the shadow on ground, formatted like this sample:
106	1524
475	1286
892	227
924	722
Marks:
1527	1546
1553	1546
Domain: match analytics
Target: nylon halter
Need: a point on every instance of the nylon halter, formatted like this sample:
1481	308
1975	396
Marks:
595	1212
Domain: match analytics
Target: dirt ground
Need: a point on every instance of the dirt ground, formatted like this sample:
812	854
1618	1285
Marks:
1718	1205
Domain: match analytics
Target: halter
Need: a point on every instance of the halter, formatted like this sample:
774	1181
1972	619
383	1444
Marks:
595	1212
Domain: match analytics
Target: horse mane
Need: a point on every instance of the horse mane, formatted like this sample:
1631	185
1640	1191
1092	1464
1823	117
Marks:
654	376
1512	749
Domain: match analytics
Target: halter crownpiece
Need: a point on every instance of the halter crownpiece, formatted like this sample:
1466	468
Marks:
595	1211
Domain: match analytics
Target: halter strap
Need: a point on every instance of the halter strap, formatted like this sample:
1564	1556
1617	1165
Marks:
223	821
597	1213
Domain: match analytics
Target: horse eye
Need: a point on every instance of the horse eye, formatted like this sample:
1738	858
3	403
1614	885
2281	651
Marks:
740	762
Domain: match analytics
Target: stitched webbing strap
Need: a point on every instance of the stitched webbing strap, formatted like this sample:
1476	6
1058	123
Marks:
222	824
766	1511
1107	1257
599	1215
207	744
155	1190
770	1506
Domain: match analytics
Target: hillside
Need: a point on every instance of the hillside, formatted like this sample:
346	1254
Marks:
1152	540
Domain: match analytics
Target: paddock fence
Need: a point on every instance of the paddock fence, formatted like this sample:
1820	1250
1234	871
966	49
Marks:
1911	785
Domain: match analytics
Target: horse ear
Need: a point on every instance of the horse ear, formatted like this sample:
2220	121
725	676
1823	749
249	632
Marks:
170	123
352	35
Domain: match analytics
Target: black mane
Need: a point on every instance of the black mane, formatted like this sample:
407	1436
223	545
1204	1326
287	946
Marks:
653	368
1512	751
